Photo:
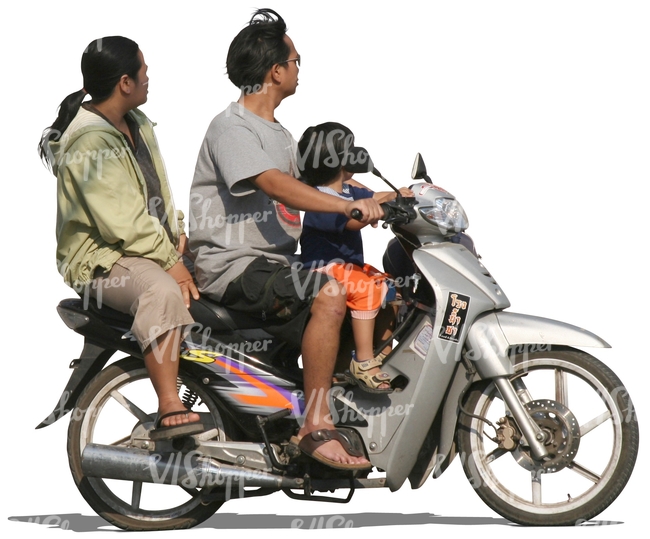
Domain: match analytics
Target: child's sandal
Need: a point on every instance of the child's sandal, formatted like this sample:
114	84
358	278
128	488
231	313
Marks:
358	375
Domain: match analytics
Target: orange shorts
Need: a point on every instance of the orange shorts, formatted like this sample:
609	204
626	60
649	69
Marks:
365	287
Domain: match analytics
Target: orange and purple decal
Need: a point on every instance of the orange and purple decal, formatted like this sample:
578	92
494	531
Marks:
250	388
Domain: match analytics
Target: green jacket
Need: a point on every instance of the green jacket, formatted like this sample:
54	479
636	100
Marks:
102	212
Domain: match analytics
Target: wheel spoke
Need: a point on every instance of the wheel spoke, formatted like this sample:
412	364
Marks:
129	504
122	441
494	455
561	388
130	407
584	472
554	490
536	484
136	494
591	425
191	491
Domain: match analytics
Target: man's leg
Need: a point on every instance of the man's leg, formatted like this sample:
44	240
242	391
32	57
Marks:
320	345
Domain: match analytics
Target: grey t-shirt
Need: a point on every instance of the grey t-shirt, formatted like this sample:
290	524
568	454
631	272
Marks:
231	222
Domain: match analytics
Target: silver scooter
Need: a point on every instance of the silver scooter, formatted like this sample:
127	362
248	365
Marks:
547	434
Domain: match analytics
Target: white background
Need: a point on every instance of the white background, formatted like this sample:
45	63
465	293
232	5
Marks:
534	114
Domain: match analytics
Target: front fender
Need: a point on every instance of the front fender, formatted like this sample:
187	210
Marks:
493	334
526	329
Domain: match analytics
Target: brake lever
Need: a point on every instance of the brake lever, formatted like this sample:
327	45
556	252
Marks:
402	207
399	211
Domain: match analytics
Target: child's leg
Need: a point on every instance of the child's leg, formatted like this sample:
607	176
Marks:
384	326
364	298
364	329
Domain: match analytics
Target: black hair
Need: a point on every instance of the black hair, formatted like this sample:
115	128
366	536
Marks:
256	49
103	63
322	152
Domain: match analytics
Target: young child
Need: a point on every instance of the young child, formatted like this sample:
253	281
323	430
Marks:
332	243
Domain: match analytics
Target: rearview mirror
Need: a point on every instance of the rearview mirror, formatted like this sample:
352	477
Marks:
419	171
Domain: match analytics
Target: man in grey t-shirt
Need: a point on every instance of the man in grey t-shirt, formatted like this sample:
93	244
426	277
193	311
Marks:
233	220
244	234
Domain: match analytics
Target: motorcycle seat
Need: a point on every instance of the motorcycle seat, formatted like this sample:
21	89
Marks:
204	311
220	318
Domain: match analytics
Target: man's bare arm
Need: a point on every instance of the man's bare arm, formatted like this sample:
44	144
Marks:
295	194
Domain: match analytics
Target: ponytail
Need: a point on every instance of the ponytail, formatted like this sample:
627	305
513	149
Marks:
103	63
67	111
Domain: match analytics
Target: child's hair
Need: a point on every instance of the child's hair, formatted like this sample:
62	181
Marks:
322	151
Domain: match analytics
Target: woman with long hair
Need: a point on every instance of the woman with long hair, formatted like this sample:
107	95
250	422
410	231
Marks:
119	237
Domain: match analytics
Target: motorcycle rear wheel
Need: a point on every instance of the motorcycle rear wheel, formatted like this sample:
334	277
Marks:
118	402
592	433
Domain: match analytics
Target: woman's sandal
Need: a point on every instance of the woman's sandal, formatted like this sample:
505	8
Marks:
358	375
159	432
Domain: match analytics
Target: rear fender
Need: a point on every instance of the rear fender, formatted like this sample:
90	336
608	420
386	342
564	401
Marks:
92	360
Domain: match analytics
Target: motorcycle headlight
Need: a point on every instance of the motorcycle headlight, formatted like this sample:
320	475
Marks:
447	214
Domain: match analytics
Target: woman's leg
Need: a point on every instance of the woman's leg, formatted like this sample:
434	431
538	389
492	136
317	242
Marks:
161	358
140	287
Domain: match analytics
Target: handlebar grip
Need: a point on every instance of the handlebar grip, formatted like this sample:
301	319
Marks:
356	214
388	211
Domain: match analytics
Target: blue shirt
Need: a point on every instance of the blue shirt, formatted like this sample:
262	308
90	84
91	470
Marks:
324	236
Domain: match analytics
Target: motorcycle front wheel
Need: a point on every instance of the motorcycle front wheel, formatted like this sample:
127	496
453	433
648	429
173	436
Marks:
117	408
591	434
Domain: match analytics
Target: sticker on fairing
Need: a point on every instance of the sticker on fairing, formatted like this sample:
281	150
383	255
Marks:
455	316
420	344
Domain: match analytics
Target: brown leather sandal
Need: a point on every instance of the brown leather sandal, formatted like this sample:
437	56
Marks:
358	375
159	432
312	441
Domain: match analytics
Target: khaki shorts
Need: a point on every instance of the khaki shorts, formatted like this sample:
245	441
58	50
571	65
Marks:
141	288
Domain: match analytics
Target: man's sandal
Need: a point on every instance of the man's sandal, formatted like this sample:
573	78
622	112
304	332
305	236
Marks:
358	374
309	443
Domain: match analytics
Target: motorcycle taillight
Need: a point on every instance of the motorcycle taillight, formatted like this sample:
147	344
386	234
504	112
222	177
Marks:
72	319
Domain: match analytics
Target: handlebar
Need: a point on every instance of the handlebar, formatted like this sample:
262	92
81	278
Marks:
398	211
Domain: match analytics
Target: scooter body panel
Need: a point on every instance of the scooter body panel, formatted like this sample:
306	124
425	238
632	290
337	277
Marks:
463	291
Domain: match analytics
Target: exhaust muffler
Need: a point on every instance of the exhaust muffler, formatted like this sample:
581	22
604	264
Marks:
189	469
